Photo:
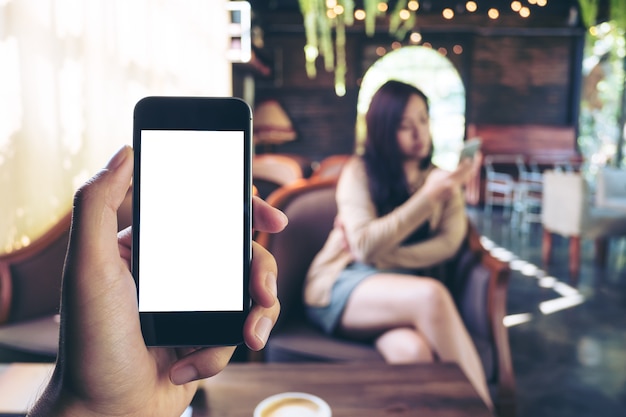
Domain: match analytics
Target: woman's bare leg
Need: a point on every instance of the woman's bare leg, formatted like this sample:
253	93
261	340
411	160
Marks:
384	302
404	345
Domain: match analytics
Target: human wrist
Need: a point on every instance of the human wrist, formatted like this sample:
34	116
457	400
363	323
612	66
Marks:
56	402
50	406
429	192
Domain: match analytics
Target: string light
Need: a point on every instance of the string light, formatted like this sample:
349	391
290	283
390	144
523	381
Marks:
493	13
335	9
471	6
402	23
415	37
524	12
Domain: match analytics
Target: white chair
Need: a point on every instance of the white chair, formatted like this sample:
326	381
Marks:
527	195
499	186
568	210
611	188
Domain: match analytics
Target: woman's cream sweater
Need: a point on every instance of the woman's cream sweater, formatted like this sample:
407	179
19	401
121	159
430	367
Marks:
360	235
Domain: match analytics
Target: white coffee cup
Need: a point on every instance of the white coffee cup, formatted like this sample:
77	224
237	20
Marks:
293	404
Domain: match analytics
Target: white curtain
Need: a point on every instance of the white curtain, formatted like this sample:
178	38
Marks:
71	72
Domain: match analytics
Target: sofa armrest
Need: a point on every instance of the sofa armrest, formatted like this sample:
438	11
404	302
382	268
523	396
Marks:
498	273
6	290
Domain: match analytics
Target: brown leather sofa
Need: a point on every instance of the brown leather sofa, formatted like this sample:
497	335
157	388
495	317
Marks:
477	281
30	292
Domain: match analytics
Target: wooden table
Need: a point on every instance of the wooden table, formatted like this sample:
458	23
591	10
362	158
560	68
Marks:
351	389
20	385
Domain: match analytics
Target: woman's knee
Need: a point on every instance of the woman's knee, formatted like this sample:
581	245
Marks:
404	345
433	300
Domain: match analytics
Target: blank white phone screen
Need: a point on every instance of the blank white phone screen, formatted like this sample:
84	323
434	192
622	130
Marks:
191	221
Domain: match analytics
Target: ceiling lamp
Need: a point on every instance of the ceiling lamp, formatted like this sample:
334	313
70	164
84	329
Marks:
272	126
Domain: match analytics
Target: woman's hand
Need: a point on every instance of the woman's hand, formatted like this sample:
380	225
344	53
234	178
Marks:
440	184
104	367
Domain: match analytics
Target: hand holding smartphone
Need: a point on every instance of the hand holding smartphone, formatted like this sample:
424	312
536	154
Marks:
192	219
470	148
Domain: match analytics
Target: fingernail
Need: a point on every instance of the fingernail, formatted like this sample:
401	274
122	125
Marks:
118	158
184	375
263	329
270	283
285	218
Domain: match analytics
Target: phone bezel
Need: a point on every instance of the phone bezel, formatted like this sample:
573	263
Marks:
197	328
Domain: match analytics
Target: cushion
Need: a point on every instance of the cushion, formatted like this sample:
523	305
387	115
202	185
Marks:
39	336
301	342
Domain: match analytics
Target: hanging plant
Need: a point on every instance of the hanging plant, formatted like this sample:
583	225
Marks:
321	19
325	18
618	13
588	11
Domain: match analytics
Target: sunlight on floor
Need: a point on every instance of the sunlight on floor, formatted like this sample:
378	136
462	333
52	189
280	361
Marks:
569	296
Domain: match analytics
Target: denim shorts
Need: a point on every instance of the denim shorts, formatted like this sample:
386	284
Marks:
327	318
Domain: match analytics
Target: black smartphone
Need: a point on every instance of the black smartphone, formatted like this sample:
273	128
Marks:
191	248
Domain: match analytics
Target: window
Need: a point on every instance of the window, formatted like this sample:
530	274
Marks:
435	75
72	71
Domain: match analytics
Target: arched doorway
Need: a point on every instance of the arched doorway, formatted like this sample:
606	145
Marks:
435	75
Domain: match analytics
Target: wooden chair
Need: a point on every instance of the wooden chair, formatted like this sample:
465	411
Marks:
569	211
270	171
477	280
30	290
330	167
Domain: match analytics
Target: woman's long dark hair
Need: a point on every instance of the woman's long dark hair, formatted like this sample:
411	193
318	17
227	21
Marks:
382	155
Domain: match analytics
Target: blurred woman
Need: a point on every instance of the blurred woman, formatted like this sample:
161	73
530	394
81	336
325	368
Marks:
397	215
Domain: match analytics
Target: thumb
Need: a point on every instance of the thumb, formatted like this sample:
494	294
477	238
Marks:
94	221
93	269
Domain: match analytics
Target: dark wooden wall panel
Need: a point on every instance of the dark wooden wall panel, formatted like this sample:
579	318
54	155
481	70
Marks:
521	80
537	142
324	122
514	78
